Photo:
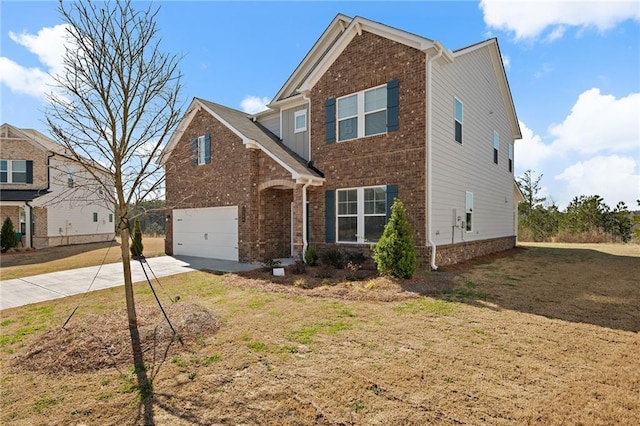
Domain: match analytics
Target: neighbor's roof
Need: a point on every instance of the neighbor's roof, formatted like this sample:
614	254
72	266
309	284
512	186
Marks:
253	135
21	194
36	138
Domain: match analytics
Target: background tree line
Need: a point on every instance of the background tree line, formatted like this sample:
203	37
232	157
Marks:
151	214
587	218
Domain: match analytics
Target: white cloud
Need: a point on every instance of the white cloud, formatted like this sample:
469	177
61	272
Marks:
506	61
49	47
254	104
530	151
615	178
529	19
599	123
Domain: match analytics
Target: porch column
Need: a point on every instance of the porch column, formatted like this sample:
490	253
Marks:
297	221
27	225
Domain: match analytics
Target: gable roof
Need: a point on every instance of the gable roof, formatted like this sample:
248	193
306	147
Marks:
35	138
252	134
334	40
501	78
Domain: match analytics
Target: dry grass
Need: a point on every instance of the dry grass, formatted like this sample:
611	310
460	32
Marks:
548	335
52	259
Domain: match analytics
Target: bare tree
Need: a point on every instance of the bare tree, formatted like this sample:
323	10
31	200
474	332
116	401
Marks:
116	104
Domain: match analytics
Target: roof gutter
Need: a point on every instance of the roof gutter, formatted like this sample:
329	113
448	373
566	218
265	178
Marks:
428	198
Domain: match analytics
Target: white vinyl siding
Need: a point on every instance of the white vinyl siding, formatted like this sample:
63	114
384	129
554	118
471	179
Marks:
457	169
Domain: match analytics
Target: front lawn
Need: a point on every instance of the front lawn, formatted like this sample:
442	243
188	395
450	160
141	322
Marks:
545	335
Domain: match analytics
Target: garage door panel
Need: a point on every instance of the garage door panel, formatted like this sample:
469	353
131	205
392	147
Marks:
206	232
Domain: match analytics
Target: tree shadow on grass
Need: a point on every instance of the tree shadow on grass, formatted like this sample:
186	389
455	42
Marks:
570	284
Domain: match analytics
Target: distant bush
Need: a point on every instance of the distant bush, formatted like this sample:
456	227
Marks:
8	237
334	257
136	243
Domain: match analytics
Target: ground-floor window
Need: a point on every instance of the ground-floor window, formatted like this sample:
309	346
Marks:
361	214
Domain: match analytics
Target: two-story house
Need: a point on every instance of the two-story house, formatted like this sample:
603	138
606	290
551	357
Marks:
371	113
51	199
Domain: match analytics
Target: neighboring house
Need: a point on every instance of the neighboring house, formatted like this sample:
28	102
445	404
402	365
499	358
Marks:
371	113
51	199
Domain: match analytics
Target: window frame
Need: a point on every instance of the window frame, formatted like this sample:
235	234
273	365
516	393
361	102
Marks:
5	171
10	171
200	150
360	215
361	113
456	101
468	224
510	158
296	115
496	146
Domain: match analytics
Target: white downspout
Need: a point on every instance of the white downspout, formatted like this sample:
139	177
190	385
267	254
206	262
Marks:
304	219
428	161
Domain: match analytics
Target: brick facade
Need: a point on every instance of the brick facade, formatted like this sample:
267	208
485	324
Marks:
397	157
248	178
269	196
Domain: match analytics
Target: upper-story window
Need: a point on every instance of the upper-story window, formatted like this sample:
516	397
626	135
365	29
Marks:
201	150
70	177
510	157
14	171
496	146
457	122
300	121
362	114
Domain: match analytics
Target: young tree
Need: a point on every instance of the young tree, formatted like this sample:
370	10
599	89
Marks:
8	238
530	187
116	104
395	252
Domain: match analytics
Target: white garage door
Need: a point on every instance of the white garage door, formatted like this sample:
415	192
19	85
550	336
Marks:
206	232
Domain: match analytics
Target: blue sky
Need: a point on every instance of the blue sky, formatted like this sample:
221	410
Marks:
573	68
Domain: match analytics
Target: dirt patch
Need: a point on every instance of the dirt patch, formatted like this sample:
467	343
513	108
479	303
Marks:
103	341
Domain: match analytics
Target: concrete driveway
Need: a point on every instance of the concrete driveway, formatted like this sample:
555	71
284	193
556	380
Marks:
38	288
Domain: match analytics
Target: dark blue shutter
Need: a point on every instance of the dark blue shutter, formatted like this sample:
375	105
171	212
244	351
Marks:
392	192
330	120
194	151
207	148
29	171
393	100
330	216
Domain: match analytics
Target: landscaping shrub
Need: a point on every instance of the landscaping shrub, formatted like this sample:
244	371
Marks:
8	238
311	256
136	243
395	252
335	257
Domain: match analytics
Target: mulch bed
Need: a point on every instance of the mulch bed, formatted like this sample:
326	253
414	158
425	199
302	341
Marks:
103	341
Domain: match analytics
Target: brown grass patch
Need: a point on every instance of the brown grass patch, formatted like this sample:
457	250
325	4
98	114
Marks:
548	335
